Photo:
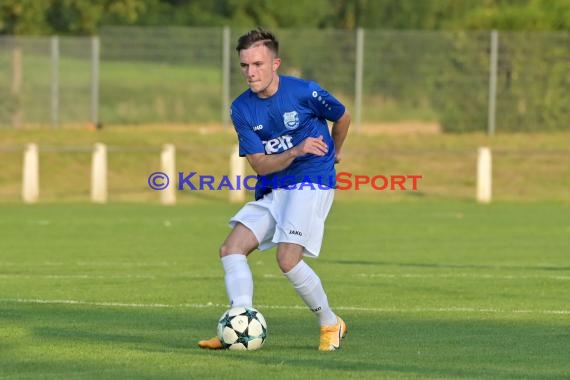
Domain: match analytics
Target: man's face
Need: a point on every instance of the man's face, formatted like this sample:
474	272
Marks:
259	67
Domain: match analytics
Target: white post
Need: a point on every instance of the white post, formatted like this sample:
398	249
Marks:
226	72
31	175
55	81
168	166
95	57
484	175
99	174
17	81
237	173
493	59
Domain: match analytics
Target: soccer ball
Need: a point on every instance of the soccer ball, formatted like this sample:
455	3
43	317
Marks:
242	328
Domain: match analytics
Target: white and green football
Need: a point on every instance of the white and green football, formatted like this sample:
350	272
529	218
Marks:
242	328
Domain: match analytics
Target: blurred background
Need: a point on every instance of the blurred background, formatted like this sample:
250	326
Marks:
454	65
453	72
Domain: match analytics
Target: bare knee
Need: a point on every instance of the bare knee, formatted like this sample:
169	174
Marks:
240	241
288	256
286	264
226	250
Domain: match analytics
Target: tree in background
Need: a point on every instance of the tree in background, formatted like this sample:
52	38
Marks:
79	17
535	15
76	17
532	67
23	17
452	15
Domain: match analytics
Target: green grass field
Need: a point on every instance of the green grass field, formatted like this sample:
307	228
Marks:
431	290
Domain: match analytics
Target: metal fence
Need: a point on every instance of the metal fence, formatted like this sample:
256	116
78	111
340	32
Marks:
465	81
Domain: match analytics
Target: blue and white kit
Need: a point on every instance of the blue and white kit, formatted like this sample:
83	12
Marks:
299	109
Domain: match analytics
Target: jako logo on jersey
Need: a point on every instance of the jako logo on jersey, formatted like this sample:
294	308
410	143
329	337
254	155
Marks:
258	127
295	232
291	120
278	144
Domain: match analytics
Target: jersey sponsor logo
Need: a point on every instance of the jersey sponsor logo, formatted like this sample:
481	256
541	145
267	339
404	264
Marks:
291	120
258	127
295	232
278	144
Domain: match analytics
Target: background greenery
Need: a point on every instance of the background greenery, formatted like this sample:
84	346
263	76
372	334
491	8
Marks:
435	68
172	75
86	16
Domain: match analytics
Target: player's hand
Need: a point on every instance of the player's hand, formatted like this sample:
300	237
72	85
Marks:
313	145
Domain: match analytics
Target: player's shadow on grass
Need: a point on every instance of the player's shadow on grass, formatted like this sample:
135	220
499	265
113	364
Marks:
425	347
377	344
67	341
136	328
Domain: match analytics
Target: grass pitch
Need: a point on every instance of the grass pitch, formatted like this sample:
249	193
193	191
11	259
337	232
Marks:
432	289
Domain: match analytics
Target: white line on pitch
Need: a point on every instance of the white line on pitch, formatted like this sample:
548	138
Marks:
292	307
462	275
127	264
77	276
105	277
269	275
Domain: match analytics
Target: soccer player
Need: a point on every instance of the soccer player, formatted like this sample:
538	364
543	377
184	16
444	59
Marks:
281	124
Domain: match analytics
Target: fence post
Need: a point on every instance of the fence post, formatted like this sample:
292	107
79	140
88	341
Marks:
237	174
54	81
99	174
16	87
359	72
168	167
484	175
226	72
31	174
493	61
95	47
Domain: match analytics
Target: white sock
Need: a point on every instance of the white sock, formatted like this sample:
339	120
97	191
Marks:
308	286
239	281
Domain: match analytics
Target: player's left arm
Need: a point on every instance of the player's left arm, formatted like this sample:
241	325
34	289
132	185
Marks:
339	132
326	106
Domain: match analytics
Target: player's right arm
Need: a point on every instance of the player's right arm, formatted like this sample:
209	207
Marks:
264	164
251	146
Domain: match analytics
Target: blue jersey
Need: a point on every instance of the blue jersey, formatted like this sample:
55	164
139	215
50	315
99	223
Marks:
299	109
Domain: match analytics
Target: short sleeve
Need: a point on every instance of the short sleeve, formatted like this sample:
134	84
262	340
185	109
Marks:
324	104
249	142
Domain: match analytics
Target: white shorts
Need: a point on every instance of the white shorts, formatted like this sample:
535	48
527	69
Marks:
288	216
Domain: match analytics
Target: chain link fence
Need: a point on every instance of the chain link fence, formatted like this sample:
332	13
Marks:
463	81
